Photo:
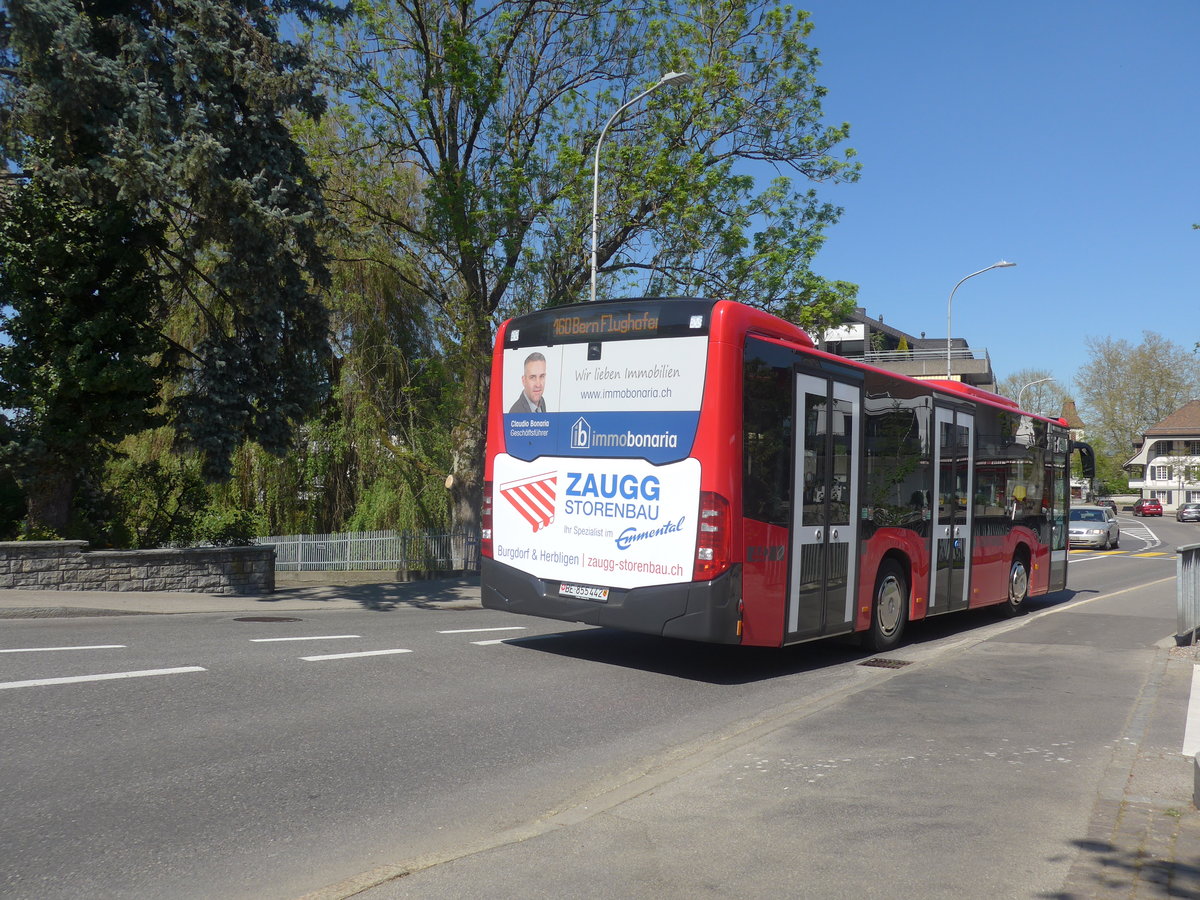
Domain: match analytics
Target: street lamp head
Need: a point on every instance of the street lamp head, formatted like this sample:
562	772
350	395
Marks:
676	78
668	79
1003	264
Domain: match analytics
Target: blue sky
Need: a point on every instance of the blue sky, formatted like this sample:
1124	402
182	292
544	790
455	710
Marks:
1062	135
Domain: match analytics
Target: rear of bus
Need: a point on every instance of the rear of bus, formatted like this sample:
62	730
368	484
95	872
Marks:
610	469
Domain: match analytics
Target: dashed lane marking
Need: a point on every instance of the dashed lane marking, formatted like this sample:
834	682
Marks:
109	676
479	630
312	637
352	655
50	649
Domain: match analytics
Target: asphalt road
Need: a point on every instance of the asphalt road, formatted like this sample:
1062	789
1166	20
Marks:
270	759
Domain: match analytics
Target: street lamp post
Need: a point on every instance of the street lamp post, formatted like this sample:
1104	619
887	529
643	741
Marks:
1003	264
669	78
1021	392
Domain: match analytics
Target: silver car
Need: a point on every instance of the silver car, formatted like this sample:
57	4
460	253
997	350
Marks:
1188	512
1095	527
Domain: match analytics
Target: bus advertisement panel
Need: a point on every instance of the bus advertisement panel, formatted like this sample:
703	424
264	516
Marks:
596	485
613	522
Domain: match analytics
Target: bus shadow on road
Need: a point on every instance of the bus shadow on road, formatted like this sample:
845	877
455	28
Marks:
1058	598
732	665
691	660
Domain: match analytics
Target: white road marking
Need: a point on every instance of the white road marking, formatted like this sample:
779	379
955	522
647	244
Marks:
76	679
478	630
315	637
489	643
352	655
47	649
1191	731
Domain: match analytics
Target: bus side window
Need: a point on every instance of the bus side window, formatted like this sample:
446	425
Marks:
766	436
897	486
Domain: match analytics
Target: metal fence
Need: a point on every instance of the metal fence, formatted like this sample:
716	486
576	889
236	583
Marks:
878	357
1187	593
358	551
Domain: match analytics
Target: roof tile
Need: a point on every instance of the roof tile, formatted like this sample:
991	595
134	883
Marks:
1185	420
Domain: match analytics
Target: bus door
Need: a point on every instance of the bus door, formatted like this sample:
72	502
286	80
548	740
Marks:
828	449
953	509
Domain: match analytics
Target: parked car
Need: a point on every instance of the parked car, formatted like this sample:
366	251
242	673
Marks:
1094	526
1188	512
1147	507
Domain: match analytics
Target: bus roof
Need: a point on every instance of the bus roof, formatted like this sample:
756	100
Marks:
728	320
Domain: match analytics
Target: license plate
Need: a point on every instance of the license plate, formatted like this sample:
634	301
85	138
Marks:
583	592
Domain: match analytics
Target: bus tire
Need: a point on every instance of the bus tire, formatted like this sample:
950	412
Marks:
1018	588
889	608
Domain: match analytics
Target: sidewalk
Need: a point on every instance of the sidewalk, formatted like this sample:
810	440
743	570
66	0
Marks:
1144	836
446	593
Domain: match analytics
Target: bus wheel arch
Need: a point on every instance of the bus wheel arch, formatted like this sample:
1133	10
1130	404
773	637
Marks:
889	606
1018	583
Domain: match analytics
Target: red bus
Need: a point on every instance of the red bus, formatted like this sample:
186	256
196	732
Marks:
699	469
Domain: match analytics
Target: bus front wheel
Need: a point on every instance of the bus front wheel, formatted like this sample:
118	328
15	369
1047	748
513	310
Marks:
889	610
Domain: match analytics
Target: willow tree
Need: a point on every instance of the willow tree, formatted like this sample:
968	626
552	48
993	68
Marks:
495	108
173	116
391	384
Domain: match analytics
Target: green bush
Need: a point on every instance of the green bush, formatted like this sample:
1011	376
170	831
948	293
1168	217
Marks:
227	528
37	533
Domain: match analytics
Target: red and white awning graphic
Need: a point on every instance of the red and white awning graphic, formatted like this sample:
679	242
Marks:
533	498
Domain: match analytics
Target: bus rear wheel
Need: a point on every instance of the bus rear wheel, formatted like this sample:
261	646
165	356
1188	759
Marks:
889	609
1018	588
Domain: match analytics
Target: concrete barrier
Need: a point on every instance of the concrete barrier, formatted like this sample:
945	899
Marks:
1196	781
70	566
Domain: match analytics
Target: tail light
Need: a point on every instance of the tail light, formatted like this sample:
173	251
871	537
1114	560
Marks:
485	521
714	537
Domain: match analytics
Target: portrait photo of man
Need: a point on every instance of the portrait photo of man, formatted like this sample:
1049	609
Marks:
533	385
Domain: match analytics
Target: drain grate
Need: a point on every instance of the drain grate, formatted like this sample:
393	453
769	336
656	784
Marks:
266	619
878	663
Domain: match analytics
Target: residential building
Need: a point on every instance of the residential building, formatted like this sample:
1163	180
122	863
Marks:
870	340
1166	465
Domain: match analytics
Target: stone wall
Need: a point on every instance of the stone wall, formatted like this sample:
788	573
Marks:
70	566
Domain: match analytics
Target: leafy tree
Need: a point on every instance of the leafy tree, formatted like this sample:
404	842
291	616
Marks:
172	119
494	111
1046	398
1111	478
81	362
158	496
1125	389
376	454
392	383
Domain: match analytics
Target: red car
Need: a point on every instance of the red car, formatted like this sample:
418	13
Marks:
1147	507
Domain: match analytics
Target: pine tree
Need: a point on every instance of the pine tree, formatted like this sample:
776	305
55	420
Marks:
175	117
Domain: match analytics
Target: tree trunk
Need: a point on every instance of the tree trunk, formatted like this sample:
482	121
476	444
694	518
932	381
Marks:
469	433
48	496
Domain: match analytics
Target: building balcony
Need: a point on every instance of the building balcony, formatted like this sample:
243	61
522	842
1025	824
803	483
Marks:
930	362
